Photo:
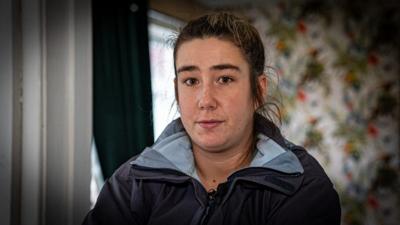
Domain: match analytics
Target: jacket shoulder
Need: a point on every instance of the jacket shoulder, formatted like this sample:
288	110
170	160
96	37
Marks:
124	171
312	168
114	204
316	201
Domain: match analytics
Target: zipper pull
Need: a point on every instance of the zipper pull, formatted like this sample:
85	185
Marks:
210	206
211	194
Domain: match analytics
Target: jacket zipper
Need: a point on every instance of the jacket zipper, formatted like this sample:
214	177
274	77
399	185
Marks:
210	207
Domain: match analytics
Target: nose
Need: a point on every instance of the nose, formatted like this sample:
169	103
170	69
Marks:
206	99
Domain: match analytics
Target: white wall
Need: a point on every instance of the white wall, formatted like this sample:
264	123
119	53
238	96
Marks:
6	105
32	115
68	109
54	60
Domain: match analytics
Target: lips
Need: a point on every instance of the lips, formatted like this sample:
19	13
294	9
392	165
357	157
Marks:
209	124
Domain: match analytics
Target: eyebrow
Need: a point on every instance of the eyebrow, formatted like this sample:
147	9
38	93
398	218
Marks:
187	68
225	66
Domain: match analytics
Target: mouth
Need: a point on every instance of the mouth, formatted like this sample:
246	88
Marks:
209	124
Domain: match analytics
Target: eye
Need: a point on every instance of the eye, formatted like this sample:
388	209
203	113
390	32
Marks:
225	80
190	81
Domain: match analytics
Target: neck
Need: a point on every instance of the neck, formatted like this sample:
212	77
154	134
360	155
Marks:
214	168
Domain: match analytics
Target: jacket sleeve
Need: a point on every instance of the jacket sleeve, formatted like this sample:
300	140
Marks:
322	203
113	205
316	203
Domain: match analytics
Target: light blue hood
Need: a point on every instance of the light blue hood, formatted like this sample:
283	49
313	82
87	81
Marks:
173	150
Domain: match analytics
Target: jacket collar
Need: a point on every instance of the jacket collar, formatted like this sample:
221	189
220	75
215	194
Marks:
173	151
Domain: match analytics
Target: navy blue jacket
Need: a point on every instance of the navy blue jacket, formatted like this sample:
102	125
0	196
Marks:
283	185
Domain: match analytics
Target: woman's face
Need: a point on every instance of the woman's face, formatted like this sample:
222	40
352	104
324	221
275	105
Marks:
213	93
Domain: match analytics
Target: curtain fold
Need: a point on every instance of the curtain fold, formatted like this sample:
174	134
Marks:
122	89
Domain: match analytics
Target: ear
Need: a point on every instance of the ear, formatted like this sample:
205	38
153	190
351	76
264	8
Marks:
176	91
263	83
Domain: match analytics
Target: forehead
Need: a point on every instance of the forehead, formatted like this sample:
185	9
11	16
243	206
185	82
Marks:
208	52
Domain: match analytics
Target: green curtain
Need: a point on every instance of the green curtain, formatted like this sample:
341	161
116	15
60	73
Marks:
122	89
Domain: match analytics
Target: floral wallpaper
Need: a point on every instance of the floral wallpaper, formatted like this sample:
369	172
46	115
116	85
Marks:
338	75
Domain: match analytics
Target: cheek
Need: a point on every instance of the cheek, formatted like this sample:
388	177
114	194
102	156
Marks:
239	100
186	102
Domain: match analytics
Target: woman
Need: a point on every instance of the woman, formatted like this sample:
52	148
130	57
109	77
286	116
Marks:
222	162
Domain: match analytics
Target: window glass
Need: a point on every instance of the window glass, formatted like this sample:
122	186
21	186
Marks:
162	76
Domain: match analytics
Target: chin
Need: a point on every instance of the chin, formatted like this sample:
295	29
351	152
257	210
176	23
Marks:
211	146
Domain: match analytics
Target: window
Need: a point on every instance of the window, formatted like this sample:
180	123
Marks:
162	29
